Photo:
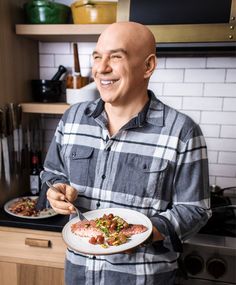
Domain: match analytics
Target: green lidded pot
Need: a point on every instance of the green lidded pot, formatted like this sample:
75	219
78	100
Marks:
46	12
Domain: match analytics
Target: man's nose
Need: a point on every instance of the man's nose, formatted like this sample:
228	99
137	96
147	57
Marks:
104	66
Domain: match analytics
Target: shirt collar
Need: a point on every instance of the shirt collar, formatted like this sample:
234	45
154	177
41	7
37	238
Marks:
152	112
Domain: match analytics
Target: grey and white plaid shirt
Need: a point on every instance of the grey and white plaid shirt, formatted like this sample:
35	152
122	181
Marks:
156	164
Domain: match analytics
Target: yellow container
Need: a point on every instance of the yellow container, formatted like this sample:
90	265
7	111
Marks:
94	12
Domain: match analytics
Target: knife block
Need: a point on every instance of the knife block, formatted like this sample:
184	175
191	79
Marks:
76	81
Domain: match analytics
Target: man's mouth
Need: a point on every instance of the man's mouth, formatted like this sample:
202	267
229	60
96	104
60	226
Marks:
107	82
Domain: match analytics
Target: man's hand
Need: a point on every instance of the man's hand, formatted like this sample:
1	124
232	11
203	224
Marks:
57	202
156	236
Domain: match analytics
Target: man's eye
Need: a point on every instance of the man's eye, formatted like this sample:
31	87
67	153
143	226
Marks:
116	56
96	57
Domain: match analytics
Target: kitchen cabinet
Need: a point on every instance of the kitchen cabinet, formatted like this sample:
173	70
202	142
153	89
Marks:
31	257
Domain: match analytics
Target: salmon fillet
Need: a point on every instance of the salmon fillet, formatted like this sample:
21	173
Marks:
89	229
85	229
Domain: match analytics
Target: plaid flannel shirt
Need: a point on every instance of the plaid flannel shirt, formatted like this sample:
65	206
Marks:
156	164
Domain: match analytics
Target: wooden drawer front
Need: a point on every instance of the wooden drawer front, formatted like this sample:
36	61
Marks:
32	247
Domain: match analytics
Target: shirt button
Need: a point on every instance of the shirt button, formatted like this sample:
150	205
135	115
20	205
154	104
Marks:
73	154
103	176
98	204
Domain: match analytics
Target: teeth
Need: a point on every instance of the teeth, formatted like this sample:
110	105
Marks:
107	82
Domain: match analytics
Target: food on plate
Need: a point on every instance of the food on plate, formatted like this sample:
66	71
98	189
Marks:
25	207
109	230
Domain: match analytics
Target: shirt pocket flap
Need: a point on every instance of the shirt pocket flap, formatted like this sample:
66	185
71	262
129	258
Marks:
154	166
81	152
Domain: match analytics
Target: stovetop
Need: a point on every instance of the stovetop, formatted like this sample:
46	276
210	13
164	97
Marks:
226	228
223	220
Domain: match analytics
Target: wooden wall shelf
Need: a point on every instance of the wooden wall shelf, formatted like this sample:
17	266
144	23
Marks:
45	108
62	33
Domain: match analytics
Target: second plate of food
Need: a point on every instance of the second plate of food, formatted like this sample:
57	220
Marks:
24	207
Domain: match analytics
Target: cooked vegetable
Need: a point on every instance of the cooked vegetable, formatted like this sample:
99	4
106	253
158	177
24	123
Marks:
109	230
25	207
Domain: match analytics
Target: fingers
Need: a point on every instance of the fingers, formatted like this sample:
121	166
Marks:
56	199
157	235
70	192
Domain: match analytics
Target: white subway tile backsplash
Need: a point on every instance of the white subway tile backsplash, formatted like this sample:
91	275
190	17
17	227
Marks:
161	62
84	60
195	115
212	180
54	48
65	59
227	157
222	170
168	75
68	61
174	102
228	132
229	104
224	118
210	130
202	103
225	182
219	144
212	156
222	62
46	60
185	62
204	75
202	87
183	89
220	90
47	73
85	48
157	88
231	75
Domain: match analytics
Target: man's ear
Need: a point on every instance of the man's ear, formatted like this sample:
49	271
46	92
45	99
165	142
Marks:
150	65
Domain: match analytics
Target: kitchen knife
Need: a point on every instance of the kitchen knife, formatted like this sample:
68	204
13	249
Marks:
19	118
14	124
5	149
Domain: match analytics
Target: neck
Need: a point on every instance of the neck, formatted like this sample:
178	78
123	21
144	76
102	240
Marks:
118	116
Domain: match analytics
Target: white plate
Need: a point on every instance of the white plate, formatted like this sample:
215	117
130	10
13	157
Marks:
82	244
46	213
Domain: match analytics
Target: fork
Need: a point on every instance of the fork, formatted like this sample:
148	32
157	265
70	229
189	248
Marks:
78	212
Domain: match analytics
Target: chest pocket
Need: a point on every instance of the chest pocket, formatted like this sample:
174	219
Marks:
143	177
81	165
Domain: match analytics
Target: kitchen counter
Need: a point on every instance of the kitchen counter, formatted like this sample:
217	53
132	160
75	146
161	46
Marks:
54	224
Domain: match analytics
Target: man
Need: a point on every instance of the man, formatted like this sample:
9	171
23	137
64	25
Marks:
129	150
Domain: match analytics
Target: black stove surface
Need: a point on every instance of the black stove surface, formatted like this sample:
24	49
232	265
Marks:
223	219
222	223
225	229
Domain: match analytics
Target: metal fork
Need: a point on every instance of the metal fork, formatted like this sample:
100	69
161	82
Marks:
78	212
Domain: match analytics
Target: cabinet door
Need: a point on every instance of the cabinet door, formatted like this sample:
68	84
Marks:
8	273
39	275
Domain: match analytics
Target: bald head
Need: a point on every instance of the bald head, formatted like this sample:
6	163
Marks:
136	37
124	60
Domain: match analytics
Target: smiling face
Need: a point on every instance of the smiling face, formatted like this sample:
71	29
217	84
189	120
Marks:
120	63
